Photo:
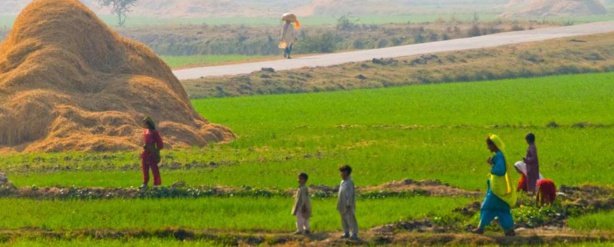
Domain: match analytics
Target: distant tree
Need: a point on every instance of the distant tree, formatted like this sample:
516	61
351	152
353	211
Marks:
119	8
347	23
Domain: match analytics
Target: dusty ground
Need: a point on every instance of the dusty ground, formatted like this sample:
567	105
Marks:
538	237
369	238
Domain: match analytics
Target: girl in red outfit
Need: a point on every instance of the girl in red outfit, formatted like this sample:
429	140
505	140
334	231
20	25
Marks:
150	157
546	192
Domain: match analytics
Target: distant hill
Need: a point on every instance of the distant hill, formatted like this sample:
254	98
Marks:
268	8
251	8
549	8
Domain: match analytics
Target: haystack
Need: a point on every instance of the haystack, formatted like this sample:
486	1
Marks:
68	82
554	8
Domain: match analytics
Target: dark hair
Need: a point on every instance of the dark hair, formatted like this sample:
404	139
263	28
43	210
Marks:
530	138
150	123
303	176
490	142
346	168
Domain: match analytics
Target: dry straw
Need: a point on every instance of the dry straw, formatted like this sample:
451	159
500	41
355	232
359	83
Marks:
68	82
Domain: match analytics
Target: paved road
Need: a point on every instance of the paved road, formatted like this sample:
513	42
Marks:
401	51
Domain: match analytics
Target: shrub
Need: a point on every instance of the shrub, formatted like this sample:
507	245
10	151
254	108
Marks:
321	42
347	23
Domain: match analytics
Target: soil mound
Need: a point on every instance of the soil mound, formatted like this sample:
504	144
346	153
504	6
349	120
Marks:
67	82
549	8
426	187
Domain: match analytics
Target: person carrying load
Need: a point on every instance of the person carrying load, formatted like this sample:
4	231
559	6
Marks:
288	34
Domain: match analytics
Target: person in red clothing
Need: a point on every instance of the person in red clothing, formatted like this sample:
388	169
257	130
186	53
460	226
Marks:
523	184
546	192
546	189
150	157
521	168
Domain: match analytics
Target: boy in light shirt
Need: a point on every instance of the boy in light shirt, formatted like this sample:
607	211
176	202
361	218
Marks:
302	206
346	203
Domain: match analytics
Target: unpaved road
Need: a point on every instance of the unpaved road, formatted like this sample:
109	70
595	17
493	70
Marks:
401	51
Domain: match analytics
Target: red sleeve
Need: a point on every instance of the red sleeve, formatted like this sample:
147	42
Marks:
522	183
159	142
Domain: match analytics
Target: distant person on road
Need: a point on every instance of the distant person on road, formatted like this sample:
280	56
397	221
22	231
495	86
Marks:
546	192
150	157
346	203
523	184
302	206
532	164
500	196
288	34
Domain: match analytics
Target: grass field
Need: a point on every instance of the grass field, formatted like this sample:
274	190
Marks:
419	132
604	221
244	214
206	60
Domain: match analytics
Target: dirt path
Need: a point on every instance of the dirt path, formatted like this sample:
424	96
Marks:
401	51
368	238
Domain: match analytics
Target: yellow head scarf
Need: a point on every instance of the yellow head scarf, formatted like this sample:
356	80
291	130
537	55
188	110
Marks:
498	142
502	186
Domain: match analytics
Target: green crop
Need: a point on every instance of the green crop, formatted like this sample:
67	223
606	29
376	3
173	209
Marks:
417	132
240	213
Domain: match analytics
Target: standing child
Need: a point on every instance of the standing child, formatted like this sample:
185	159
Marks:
302	206
346	203
532	164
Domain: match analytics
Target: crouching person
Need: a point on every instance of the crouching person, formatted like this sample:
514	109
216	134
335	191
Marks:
546	192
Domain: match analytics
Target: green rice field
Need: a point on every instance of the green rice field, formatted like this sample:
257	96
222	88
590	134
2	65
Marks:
421	132
418	132
243	214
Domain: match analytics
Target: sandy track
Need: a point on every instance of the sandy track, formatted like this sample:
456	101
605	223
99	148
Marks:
233	238
486	41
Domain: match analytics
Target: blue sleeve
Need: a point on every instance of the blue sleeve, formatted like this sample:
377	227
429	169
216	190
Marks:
499	165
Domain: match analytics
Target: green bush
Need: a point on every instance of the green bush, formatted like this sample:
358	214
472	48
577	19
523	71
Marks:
319	42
